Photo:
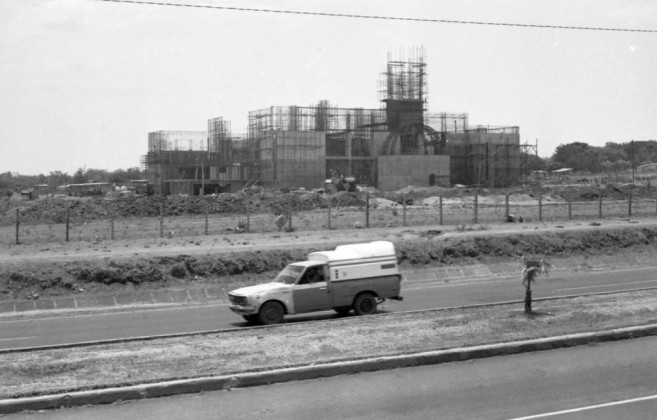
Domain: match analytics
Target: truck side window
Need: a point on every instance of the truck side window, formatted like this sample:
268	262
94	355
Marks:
312	275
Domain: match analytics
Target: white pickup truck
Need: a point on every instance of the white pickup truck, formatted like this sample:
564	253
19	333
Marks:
357	276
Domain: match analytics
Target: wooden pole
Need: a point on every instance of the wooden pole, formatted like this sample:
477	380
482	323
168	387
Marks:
506	206
17	224
440	209
289	221
367	209
600	205
629	205
207	210
404	204
68	221
476	207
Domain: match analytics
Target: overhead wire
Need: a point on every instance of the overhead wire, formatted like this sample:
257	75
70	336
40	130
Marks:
377	17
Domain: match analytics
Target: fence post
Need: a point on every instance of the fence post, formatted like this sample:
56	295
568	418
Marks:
506	207
570	210
440	209
248	219
207	210
476	207
17	223
289	221
68	221
404	204
112	228
328	224
629	205
367	209
540	207
161	219
600	206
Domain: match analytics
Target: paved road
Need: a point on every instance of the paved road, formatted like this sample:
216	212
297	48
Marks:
418	294
615	380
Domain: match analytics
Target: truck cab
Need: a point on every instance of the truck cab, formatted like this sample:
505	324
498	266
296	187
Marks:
352	277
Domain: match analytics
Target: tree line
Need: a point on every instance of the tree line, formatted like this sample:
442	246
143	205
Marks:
582	157
12	182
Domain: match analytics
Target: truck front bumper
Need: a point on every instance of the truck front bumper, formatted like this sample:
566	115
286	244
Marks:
243	310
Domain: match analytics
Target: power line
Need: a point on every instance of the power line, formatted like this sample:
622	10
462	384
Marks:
407	19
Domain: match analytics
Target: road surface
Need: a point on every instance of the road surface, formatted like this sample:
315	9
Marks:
418	294
614	380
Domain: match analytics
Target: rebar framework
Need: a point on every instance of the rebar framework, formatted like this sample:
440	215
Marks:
405	77
219	140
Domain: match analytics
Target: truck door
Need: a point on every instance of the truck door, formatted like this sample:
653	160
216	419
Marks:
311	293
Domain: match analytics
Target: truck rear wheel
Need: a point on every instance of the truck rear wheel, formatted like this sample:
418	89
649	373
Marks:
271	313
365	304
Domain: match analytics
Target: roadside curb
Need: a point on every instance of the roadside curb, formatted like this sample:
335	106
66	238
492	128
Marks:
243	380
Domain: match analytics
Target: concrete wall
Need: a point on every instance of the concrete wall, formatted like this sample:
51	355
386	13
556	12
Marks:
395	172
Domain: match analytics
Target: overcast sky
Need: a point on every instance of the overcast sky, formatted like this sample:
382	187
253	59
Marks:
83	82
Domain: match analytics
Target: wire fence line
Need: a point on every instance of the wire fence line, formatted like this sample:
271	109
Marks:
370	215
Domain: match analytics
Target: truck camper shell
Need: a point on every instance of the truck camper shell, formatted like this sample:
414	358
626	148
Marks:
358	261
373	251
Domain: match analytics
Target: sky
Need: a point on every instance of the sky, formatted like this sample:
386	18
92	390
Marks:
83	82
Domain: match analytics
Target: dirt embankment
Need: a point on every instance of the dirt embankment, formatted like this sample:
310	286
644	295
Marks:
54	210
113	271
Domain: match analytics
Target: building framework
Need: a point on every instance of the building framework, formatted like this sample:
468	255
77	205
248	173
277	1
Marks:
303	146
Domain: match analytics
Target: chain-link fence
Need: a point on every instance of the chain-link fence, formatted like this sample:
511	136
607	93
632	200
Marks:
441	211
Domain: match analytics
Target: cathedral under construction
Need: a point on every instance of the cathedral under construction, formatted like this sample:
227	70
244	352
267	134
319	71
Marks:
397	145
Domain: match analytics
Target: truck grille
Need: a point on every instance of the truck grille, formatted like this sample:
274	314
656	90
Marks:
237	300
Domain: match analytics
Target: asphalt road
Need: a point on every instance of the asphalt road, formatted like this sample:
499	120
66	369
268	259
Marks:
613	380
418	294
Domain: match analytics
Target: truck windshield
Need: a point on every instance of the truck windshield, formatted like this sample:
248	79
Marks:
289	275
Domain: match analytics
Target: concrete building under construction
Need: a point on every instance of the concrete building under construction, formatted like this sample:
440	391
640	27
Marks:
391	147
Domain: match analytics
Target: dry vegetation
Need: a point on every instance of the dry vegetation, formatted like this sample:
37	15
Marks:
300	344
230	259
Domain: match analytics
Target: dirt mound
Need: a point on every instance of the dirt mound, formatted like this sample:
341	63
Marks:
55	210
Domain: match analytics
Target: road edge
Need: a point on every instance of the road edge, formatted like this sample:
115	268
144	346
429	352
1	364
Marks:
243	380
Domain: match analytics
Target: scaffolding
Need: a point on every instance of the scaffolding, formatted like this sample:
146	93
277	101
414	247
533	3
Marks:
405	76
484	156
180	161
320	117
220	141
325	136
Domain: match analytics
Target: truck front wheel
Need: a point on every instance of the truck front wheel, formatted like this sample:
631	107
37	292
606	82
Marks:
251	318
271	313
365	304
342	310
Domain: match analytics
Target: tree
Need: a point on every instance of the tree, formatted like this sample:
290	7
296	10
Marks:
531	269
533	162
58	178
80	176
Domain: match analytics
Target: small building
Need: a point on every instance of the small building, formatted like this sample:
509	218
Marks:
88	189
